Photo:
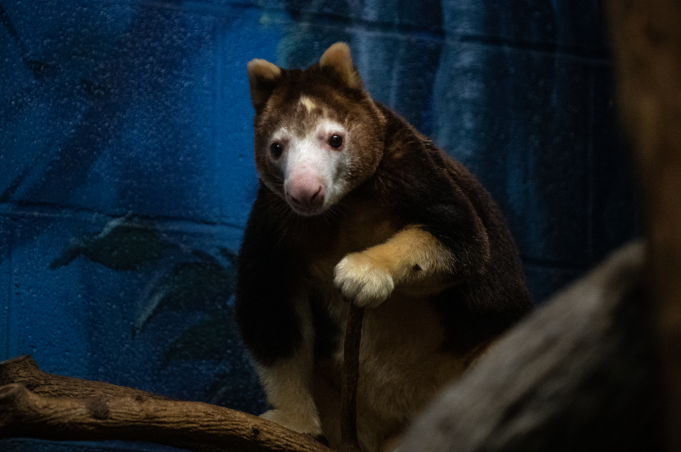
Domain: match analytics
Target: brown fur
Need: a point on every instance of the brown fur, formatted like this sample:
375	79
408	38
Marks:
414	238
336	57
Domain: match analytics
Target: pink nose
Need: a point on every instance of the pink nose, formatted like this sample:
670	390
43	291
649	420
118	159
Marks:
305	193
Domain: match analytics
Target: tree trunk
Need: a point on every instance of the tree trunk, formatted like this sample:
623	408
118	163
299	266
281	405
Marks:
646	36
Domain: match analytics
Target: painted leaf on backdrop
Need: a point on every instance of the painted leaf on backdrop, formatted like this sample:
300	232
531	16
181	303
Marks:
210	338
124	244
205	284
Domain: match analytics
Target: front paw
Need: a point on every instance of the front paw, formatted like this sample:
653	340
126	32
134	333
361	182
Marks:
294	421
361	280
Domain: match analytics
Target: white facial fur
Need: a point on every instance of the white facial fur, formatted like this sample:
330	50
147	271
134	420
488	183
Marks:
314	172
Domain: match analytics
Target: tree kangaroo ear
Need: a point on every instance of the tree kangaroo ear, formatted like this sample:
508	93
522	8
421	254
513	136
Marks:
338	57
263	77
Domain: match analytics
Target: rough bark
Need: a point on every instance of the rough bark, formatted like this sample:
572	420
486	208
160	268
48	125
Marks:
64	408
579	374
646	37
25	370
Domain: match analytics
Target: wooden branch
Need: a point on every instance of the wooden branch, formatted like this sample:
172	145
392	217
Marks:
353	333
24	370
74	409
646	36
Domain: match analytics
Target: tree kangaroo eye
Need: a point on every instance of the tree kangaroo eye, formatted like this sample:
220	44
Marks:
276	149
336	141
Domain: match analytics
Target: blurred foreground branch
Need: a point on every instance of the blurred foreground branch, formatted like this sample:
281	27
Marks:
577	375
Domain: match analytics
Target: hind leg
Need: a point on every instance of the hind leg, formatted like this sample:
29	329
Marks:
288	380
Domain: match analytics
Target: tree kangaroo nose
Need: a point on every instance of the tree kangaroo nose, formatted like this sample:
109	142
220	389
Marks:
305	193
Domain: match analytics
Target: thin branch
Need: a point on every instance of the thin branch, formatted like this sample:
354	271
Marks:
353	333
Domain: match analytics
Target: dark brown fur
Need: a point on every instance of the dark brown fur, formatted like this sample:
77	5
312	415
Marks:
405	196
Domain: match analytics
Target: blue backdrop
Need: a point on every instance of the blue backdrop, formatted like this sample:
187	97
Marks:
127	176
